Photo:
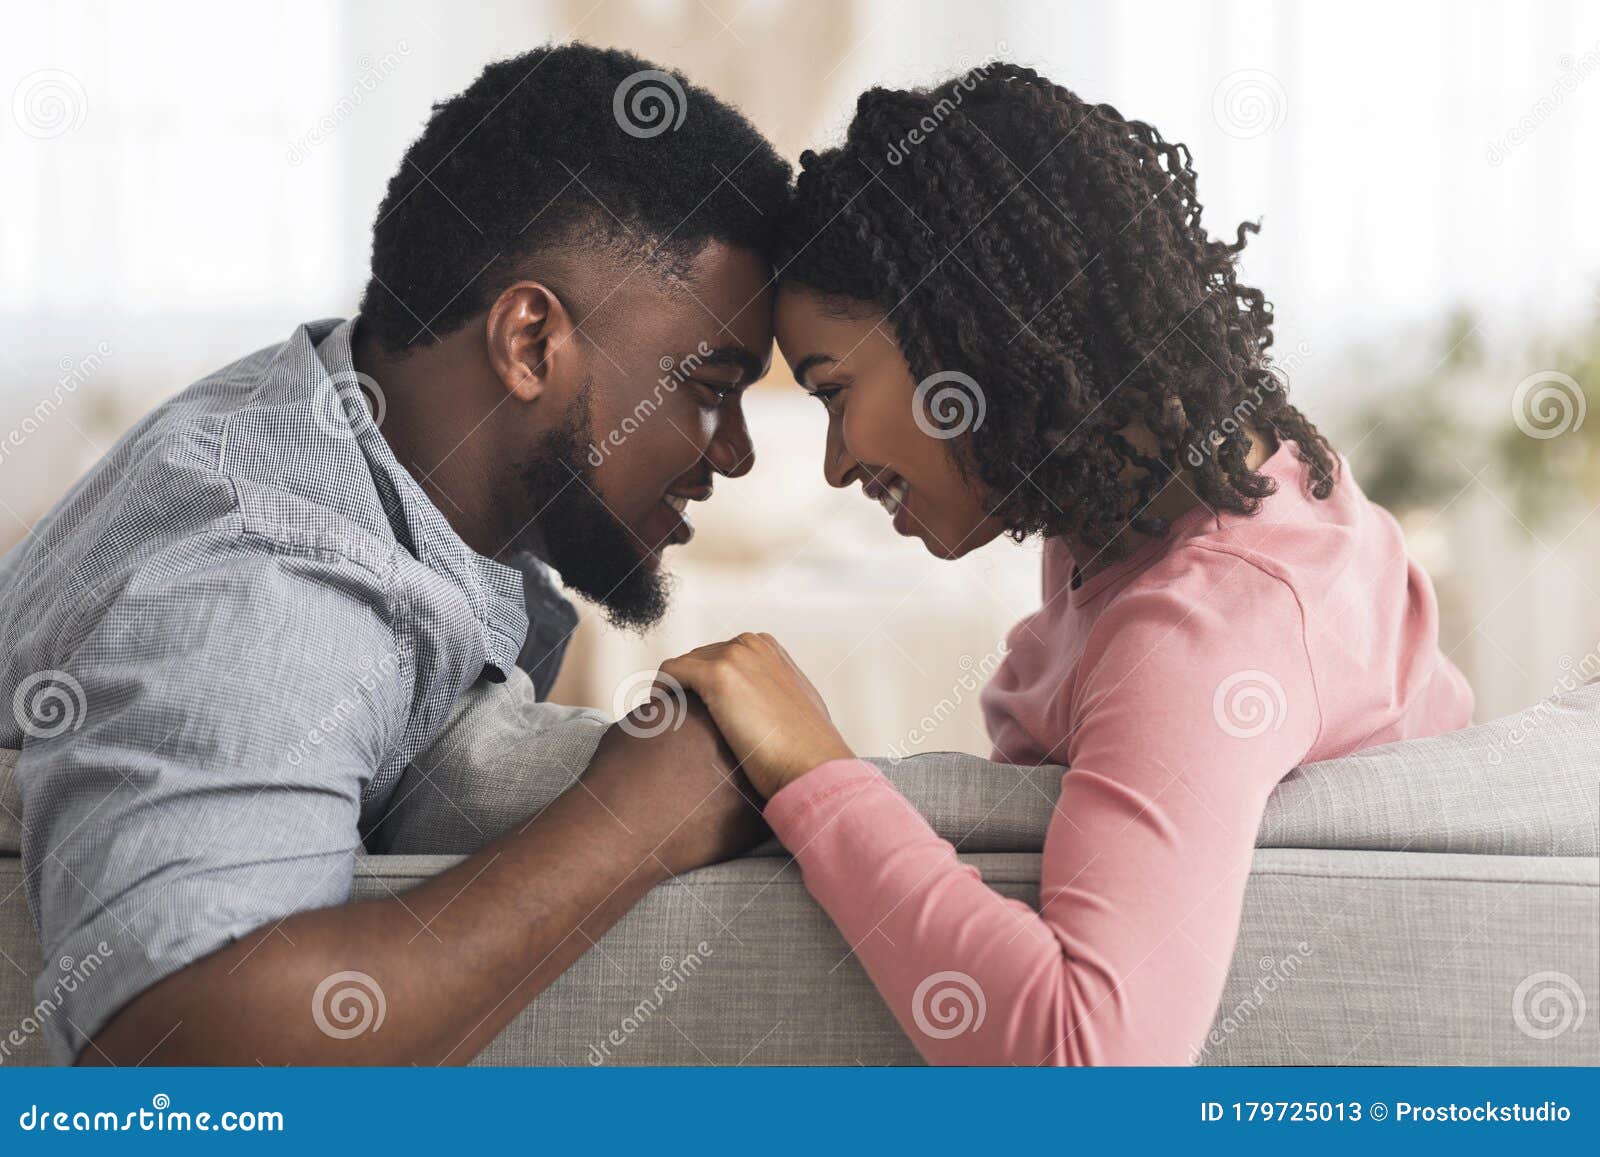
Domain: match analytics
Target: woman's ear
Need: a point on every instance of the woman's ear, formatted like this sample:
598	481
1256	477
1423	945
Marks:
529	332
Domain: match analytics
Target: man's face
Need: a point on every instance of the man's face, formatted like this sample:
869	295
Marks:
657	417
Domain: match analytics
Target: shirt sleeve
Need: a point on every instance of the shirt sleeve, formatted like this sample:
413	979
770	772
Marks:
201	771
1189	713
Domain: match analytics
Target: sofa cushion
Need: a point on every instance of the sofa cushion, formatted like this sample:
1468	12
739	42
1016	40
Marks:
502	757
1520	785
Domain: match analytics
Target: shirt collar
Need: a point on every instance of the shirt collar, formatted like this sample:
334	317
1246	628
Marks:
493	590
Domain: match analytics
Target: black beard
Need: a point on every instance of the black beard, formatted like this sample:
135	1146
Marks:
587	545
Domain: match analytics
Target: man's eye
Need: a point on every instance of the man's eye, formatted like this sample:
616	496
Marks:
720	391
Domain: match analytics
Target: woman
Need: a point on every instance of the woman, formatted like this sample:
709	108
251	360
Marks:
1005	299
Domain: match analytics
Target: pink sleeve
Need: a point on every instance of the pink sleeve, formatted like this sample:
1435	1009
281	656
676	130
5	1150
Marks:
1190	713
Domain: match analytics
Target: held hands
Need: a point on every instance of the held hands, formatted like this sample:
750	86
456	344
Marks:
772	718
676	791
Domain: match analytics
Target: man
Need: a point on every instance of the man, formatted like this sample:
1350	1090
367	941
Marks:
230	638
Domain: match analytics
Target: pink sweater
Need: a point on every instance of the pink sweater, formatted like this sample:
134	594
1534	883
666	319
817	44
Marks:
1179	686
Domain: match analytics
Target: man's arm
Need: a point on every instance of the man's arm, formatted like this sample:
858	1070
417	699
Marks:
196	829
459	956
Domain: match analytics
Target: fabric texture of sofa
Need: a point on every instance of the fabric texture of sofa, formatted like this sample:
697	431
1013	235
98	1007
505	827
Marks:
1429	902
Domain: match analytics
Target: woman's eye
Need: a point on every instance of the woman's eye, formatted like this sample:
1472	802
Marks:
826	395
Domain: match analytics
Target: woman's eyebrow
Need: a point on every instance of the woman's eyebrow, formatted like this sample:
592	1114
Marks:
808	363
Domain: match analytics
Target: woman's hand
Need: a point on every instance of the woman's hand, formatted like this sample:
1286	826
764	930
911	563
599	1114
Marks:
771	716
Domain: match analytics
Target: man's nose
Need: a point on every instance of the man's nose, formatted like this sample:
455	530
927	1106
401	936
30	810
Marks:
731	452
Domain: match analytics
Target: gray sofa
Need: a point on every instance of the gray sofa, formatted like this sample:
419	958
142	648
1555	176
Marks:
1429	902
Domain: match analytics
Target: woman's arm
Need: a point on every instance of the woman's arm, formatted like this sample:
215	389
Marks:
1187	721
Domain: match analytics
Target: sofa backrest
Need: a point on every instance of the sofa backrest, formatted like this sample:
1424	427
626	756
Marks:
1524	784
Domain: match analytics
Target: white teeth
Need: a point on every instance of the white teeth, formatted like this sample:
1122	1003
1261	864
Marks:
894	496
678	504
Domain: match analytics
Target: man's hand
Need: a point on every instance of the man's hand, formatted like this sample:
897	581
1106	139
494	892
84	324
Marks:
693	810
772	717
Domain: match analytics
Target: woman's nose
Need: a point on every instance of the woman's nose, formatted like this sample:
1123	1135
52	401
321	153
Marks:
838	466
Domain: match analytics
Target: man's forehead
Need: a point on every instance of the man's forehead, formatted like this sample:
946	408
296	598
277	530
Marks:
722	281
716	305
734	284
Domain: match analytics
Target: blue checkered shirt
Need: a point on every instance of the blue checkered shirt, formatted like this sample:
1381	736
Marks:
221	649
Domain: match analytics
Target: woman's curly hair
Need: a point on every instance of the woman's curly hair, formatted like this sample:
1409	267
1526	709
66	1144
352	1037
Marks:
1052	250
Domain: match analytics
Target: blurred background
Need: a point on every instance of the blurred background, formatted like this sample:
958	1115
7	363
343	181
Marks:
184	182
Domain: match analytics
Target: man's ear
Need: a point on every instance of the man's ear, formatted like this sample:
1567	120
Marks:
530	334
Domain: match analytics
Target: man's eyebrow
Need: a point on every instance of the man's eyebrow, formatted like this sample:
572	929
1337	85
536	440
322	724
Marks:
809	363
750	366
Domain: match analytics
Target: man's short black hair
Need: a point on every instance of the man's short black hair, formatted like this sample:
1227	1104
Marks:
564	144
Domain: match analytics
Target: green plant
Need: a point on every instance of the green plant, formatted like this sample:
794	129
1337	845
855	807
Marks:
1523	426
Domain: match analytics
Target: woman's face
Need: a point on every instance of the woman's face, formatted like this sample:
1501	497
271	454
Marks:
880	433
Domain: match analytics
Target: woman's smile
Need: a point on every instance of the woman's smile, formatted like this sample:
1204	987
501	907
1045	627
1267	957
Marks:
890	491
